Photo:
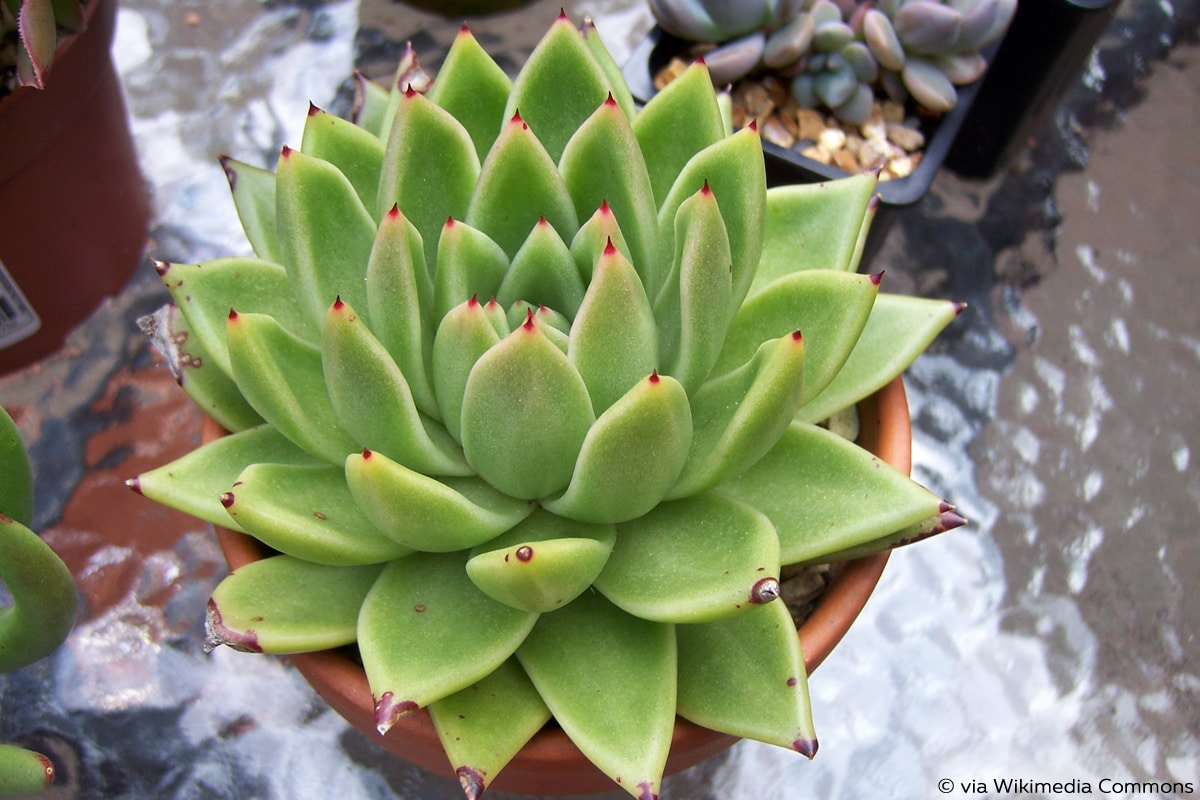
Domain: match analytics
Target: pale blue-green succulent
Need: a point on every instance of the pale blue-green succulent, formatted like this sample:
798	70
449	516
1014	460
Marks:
838	52
519	393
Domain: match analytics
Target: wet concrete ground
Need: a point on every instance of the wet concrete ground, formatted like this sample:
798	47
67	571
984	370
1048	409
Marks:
1053	639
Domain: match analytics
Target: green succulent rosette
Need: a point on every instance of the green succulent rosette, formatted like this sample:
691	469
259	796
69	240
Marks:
523	385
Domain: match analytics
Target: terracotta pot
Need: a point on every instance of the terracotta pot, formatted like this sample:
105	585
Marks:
551	763
74	207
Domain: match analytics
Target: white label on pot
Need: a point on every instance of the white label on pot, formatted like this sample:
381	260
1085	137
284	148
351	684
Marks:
18	320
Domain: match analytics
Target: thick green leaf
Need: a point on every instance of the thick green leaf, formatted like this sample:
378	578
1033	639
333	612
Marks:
594	237
195	482
609	679
399	295
733	169
370	104
825	494
357	153
543	273
253	190
543	563
286	605
693	560
519	185
325	233
373	401
196	371
24	772
616	79
632	455
427	189
307	512
603	163
945	520
282	378
43	597
16	490
469	264
525	414
483	726
465	334
814	226
554	107
473	88
830	308
695	303
425	632
205	293
739	416
744	675
428	514
613	341
898	330
675	125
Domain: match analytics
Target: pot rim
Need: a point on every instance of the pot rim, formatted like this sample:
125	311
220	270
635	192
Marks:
551	758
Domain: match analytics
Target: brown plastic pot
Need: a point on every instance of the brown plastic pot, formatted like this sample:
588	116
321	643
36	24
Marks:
74	209
550	763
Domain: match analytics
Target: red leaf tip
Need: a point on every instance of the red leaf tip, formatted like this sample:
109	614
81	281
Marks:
464	30
227	499
285	152
877	278
393	212
654	377
797	336
410	92
706	190
529	324
805	747
233	315
605	208
473	302
338	305
312	109
753	125
611	101
610	249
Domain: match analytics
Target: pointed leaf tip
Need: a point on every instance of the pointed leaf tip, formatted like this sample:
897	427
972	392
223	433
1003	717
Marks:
753	125
230	173
806	747
161	267
313	110
877	278
227	499
610	249
233	315
388	711
647	791
764	591
959	308
285	152
654	377
134	484
471	781
610	101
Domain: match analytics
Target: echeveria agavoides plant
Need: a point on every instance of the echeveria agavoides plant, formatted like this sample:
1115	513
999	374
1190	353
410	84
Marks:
523	386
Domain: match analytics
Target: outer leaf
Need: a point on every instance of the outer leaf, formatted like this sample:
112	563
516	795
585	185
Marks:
825	494
325	233
609	680
281	377
253	190
946	520
307	512
24	772
898	330
613	341
473	88
43	597
469	264
620	89
693	560
465	334
603	163
357	153
525	414
519	185
814	226
370	104
694	306
372	398
194	483
543	563
678	122
738	417
830	308
733	169
632	455
427	514
285	605
483	726
543	273
744	675
196	371
409	173
553	107
425	632
399	294
205	293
